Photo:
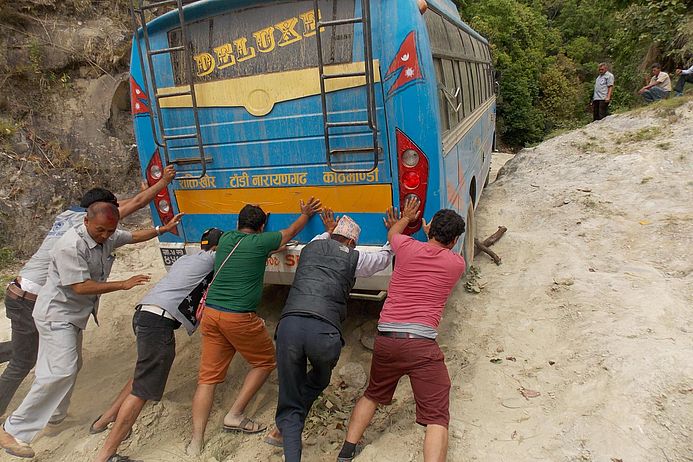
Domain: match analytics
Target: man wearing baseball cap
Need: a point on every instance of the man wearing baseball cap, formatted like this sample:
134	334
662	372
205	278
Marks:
310	327
172	302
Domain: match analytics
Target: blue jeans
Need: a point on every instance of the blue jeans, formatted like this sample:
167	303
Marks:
654	94
301	340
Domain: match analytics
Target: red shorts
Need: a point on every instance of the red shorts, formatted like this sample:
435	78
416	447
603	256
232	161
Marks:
424	363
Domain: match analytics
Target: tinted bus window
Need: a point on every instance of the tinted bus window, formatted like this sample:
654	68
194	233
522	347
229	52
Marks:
451	89
442	103
454	39
458	86
467	44
466	88
436	33
264	39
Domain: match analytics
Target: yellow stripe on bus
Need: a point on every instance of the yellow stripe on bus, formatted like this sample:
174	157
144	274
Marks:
259	93
344	199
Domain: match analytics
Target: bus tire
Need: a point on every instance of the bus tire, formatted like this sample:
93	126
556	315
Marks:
488	177
470	233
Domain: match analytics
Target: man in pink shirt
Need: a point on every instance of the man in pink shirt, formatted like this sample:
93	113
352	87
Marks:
424	275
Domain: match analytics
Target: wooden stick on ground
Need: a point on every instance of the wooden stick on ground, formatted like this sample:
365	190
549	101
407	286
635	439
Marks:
480	247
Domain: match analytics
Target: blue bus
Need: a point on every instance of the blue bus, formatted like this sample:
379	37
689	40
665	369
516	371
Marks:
357	103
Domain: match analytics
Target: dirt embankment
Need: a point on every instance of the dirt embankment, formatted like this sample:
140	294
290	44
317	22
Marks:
65	122
577	348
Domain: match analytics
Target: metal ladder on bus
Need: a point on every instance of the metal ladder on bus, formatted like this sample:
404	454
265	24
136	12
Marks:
368	73
138	8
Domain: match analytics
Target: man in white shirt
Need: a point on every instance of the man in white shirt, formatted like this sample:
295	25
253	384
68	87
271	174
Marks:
659	86
603	89
685	75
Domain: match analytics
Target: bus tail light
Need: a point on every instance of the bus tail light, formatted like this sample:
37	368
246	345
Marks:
162	201
413	175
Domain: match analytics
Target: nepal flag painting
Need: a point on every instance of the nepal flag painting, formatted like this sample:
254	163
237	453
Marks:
405	65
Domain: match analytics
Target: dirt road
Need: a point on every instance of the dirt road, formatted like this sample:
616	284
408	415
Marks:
577	348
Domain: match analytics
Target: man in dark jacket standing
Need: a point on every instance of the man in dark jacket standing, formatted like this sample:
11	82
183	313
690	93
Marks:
310	328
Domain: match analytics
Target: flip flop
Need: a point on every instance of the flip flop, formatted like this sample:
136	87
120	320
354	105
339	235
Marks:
96	431
243	427
274	441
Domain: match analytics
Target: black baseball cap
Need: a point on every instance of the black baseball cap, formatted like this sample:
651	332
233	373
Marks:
211	237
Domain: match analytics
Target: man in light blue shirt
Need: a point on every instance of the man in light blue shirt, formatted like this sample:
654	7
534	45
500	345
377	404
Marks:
685	75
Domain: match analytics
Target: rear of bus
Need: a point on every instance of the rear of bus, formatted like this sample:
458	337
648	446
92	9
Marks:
261	122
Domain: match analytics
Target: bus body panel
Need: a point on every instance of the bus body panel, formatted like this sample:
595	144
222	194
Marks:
277	158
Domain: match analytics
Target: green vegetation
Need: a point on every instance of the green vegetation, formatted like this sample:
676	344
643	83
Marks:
547	52
644	134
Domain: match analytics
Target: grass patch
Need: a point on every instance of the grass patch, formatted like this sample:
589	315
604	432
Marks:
644	134
646	180
664	146
7	128
588	147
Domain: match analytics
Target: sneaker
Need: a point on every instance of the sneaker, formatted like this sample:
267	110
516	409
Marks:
14	447
357	451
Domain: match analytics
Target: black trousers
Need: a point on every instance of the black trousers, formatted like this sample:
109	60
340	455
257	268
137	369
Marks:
600	109
681	82
24	348
301	340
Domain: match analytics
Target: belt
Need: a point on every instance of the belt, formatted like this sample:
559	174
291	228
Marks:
156	310
15	292
403	335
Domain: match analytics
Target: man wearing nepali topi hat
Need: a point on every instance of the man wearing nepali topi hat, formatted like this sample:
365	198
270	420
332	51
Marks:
310	327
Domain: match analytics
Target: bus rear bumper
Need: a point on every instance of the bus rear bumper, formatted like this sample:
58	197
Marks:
281	266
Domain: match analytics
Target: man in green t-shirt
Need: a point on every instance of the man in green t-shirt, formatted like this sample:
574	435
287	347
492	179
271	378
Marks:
229	323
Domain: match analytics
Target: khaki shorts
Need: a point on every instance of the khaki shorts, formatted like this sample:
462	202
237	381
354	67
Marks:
224	334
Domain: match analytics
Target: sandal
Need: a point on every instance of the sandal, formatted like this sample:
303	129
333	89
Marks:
119	458
96	431
272	441
247	425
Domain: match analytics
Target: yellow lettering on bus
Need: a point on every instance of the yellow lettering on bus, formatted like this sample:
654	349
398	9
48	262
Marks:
243	51
205	64
225	57
264	38
309	22
288	30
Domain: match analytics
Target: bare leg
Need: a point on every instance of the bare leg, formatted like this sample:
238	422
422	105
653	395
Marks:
360	418
435	443
201	407
252	383
128	413
112	412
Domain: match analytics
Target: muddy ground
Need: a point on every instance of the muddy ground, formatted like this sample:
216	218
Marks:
576	348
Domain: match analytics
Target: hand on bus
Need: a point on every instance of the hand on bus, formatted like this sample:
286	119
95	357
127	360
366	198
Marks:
311	208
171	225
328	219
392	216
169	174
425	226
410	210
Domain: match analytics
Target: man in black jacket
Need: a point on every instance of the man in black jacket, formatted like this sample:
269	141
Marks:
310	328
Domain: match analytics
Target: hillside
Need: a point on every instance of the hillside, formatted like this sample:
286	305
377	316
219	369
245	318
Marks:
576	348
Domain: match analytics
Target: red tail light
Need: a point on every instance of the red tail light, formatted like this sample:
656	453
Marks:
413	174
138	99
162	201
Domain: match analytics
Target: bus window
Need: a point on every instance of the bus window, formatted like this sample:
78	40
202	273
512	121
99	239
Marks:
454	39
472	84
441	97
466	89
468	44
461	33
481	79
451	99
458	84
248	41
436	33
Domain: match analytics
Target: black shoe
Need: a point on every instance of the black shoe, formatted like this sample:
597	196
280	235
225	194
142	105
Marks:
119	458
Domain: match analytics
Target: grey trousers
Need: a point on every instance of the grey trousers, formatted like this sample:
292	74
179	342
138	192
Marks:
23	348
59	361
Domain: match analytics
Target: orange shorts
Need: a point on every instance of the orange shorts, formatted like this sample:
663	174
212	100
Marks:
223	334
